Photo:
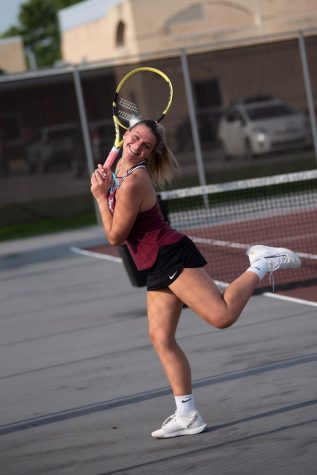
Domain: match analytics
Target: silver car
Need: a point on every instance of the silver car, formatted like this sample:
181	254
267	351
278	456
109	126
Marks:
260	126
55	145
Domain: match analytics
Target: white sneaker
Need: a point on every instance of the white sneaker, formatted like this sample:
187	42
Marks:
276	257
176	425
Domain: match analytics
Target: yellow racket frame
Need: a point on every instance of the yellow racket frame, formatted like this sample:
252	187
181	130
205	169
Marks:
118	141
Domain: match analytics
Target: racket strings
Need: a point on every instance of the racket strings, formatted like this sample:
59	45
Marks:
145	95
126	104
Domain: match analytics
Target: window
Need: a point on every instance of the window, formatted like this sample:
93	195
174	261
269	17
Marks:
120	33
235	116
207	93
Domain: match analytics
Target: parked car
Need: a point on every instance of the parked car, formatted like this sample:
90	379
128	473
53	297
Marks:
57	145
207	123
261	125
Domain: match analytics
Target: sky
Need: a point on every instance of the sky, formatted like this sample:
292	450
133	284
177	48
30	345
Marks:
9	11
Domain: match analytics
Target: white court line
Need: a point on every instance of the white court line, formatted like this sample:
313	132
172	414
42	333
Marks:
219	242
289	299
106	257
236	245
97	255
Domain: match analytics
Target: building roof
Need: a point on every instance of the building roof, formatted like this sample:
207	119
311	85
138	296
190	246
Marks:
84	12
11	39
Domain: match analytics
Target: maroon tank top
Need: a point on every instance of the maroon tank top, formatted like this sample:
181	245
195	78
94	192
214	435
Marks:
148	233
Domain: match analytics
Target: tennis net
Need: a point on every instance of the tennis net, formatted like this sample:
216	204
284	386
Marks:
224	220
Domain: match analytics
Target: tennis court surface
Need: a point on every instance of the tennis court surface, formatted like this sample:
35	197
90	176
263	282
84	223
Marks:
224	220
81	387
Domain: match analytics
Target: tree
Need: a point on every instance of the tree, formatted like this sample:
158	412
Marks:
38	26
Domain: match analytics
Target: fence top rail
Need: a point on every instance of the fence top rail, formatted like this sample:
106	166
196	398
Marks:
155	55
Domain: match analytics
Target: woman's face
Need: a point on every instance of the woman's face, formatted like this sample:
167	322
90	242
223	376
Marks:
139	143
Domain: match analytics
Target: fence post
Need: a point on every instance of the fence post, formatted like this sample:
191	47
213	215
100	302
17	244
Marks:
85	131
309	94
193	120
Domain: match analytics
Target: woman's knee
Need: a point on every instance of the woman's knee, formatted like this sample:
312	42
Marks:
221	320
161	340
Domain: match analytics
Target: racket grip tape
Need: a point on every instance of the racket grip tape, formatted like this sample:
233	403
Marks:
111	157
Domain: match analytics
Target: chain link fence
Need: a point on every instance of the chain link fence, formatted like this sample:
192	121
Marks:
237	112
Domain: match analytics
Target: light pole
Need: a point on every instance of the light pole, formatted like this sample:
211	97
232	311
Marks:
31	58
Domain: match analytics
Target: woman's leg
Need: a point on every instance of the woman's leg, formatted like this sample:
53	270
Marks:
197	290
164	310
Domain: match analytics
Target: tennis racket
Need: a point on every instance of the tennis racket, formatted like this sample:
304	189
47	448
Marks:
144	93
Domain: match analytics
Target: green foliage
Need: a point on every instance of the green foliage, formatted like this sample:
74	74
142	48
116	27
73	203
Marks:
38	26
12	31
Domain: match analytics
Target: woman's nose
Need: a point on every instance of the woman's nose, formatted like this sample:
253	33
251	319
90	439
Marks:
138	145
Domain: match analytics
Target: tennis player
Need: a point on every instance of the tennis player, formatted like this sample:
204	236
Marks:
130	213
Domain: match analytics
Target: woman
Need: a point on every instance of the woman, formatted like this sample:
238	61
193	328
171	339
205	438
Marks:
128	206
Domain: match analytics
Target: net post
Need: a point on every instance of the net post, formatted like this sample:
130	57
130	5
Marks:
163	207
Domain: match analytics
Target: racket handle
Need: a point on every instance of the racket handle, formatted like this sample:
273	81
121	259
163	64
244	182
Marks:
111	157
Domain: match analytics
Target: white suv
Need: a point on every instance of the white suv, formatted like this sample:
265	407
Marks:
262	125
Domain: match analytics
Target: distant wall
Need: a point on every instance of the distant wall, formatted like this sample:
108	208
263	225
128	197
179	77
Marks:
12	59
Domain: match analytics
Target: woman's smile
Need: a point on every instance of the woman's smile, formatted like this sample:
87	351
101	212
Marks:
140	142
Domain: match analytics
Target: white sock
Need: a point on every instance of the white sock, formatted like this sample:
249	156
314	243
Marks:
259	268
185	405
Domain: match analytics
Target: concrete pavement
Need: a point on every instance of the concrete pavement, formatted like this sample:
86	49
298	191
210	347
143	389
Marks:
81	387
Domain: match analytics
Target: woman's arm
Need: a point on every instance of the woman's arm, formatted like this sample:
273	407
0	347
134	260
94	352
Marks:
129	198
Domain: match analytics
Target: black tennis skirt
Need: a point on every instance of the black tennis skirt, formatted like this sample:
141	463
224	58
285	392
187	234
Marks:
170	262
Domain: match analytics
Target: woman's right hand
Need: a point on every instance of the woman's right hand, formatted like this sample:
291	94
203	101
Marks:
100	181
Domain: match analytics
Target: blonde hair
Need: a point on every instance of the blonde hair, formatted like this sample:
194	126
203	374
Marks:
162	164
